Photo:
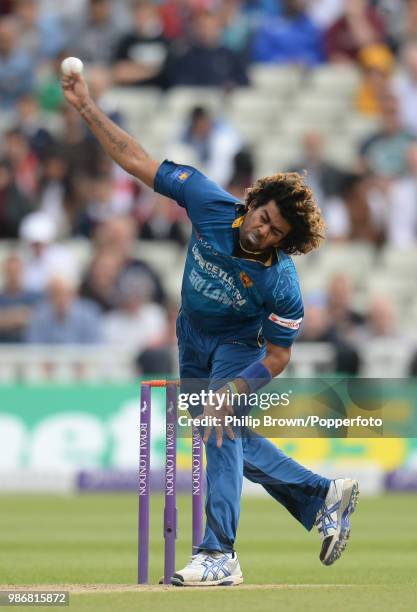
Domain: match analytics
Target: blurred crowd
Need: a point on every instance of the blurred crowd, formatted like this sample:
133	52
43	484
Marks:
331	317
56	184
119	301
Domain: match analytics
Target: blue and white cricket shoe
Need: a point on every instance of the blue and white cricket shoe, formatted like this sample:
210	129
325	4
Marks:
333	520
210	568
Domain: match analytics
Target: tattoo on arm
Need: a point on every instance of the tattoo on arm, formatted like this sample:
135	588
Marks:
121	147
92	118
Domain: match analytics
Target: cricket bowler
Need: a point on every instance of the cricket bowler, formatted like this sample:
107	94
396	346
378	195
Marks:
241	310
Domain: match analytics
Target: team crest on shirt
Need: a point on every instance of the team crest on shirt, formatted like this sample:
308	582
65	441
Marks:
181	175
289	323
246	281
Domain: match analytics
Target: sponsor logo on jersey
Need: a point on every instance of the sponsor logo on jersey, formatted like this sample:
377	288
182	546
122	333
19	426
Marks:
289	323
202	284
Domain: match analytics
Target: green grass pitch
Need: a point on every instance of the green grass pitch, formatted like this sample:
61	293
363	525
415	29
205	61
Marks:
91	539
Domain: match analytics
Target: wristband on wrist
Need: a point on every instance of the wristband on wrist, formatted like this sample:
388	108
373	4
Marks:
256	376
232	386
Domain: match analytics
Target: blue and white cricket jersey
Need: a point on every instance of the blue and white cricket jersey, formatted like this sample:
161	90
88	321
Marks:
235	298
226	301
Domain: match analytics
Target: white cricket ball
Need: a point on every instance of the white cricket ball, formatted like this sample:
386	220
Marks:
72	65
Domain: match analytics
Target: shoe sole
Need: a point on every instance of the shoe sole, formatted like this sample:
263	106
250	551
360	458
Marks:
347	507
228	581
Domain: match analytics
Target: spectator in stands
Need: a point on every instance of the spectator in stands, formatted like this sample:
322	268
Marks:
213	143
140	54
242	174
17	67
405	88
23	159
43	259
324	13
66	9
163	222
393	13
41	33
54	189
49	92
353	215
118	235
291	38
344	318
258	8
102	205
402	210
138	323
16	304
6	7
100	280
175	15
64	318
317	327
95	39
236	26
381	322
401	19
377	64
32	125
410	21
360	26
162	359
323	177
204	60
14	203
385	152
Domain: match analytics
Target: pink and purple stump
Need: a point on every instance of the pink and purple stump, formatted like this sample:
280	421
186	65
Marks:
170	509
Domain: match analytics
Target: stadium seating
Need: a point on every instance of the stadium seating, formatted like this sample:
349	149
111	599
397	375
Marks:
272	116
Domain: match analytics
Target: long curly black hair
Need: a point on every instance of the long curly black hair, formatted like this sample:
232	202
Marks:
296	203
